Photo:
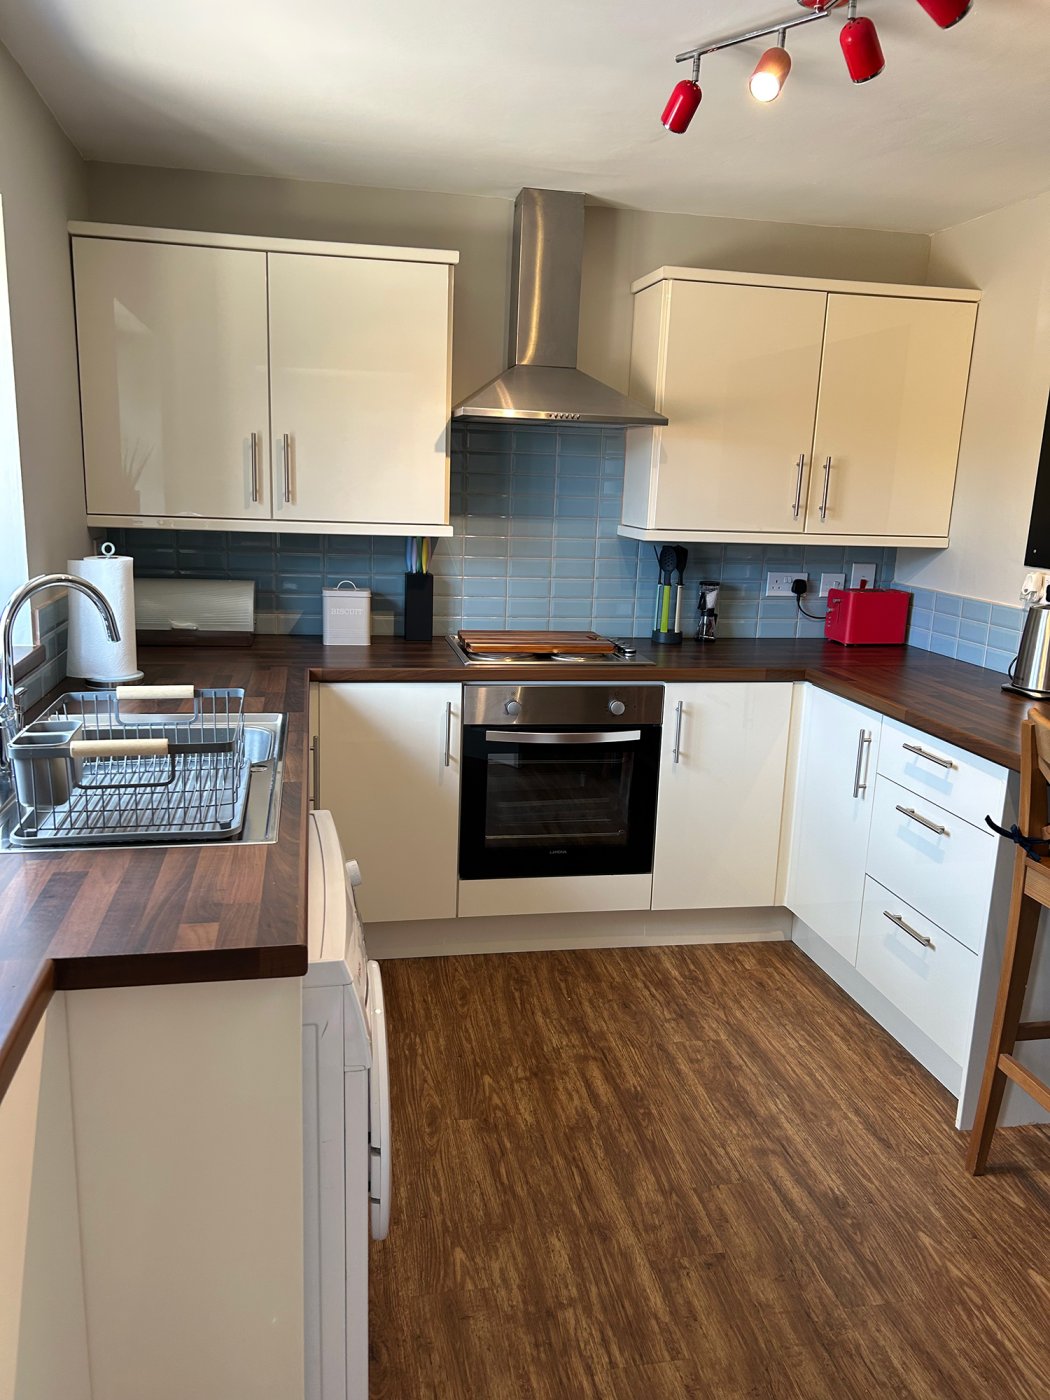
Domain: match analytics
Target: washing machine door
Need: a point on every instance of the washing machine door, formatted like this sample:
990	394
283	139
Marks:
378	1109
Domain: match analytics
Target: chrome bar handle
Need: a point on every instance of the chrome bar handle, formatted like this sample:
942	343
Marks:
315	756
911	932
562	736
824	497
677	751
914	816
922	753
798	485
287	468
863	742
255	468
448	734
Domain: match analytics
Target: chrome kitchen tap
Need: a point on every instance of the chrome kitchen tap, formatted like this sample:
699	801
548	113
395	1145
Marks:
11	717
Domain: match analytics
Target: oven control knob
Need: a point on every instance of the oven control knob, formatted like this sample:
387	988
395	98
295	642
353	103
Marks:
616	707
512	707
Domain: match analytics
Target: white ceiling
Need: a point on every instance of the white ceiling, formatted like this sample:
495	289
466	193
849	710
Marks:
484	96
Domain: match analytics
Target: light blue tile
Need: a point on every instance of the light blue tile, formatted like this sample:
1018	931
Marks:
738	571
530	546
971	652
537	467
921	619
922	598
947	604
581	489
977	610
573	467
942	645
945	626
525	612
485	547
919	638
737	627
488	525
1000	639
807	627
530	568
571	622
616	568
614	588
621	610
577	442
484	568
778	609
538	439
538	526
998	660
1010	618
569	524
772	628
528	588
976	633
574	549
571	567
571	588
495	588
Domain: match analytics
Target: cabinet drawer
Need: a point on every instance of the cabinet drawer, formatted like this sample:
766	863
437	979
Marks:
940	864
962	783
925	973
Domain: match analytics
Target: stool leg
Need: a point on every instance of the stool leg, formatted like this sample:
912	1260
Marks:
1013	983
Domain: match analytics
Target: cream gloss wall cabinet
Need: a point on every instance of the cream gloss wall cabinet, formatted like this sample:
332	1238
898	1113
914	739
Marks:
388	769
799	410
259	384
722	766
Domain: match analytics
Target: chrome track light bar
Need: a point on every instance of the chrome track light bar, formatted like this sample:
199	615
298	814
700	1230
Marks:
781	25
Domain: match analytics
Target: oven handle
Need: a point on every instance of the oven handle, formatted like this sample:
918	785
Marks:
510	736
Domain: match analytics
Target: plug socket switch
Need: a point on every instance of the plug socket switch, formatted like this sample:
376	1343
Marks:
830	581
780	585
862	576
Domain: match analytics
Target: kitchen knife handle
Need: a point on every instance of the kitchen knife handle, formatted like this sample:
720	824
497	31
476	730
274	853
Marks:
824	497
797	506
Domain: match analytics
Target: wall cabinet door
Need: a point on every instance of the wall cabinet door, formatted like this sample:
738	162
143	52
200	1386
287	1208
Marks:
389	773
722	771
834	794
889	416
173	374
359	376
740	388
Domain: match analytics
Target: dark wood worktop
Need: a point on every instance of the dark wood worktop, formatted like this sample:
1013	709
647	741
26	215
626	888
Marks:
102	918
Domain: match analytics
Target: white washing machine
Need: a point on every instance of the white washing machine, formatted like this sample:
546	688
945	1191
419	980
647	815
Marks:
346	1123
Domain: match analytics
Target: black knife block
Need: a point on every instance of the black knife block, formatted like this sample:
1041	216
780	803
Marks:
419	607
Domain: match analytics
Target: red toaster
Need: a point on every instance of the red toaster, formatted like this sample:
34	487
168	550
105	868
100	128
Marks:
867	616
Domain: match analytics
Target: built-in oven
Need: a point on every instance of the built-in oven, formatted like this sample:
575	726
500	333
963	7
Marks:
559	780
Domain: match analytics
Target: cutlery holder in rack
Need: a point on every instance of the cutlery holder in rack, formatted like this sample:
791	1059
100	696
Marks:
104	766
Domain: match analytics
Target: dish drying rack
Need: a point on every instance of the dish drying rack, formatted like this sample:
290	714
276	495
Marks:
105	767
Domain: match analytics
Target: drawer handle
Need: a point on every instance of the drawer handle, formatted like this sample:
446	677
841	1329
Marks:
941	762
863	748
914	816
911	932
677	751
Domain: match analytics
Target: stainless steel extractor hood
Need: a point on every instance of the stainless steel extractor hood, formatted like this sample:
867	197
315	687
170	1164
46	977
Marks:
543	382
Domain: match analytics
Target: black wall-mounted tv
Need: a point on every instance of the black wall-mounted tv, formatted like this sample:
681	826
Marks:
1038	554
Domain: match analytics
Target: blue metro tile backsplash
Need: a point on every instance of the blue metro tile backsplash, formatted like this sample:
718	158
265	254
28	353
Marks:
535	512
967	629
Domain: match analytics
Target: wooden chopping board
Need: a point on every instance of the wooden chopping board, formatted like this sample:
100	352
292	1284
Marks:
527	643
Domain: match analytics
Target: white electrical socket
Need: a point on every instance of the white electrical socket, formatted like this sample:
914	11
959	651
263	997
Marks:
830	581
779	585
862	575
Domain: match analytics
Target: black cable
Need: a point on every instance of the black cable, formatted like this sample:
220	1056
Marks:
814	617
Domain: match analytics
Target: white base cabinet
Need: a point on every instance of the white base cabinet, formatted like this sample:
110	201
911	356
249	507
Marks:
389	771
722	766
837	758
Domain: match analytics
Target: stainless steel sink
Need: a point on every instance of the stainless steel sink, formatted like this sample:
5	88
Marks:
264	749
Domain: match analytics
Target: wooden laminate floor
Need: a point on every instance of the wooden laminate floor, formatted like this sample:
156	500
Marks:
690	1172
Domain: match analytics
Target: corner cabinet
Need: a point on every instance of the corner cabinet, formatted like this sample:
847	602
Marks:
820	412
253	384
722	768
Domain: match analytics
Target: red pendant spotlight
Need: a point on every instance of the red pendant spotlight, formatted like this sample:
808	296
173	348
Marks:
861	48
768	79
947	12
683	102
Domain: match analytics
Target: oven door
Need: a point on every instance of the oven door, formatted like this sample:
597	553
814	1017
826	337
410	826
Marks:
545	800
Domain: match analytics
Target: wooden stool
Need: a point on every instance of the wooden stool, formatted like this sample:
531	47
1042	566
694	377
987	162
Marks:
1031	894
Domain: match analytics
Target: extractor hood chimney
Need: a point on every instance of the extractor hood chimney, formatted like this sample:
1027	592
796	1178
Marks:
543	383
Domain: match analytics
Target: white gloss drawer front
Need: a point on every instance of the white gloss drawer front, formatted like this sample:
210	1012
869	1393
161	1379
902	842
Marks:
932	859
923	971
961	782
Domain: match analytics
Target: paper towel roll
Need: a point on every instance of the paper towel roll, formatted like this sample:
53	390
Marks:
91	653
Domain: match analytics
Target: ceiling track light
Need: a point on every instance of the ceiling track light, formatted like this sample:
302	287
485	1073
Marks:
861	47
947	12
770	75
858	38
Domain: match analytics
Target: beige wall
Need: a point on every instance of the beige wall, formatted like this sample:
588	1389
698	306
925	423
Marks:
1007	255
624	244
42	185
620	246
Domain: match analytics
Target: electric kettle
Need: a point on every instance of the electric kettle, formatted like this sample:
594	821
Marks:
1030	672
